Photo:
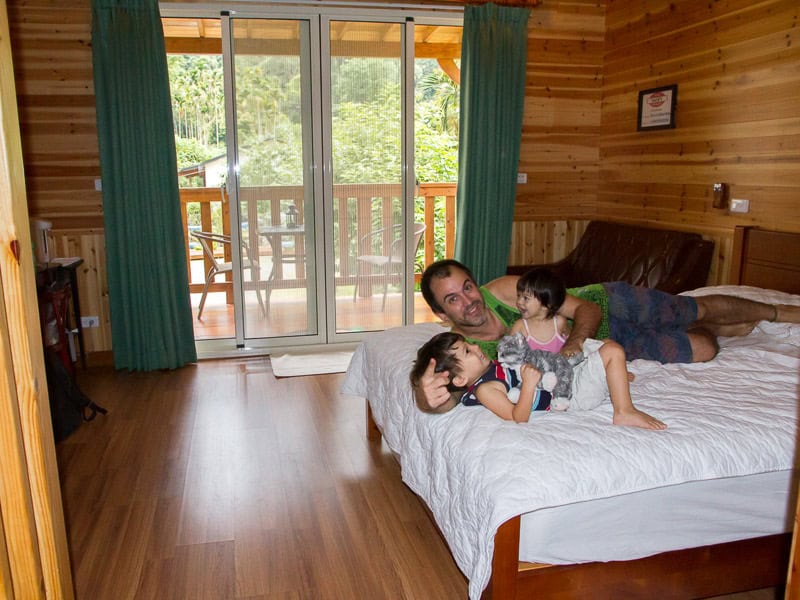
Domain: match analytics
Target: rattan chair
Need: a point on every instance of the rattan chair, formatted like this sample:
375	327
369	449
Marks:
389	264
207	240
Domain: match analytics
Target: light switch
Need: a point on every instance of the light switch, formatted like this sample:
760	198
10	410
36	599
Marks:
740	205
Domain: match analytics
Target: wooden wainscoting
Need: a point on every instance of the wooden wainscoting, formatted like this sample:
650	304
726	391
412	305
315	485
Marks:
90	245
532	242
541	242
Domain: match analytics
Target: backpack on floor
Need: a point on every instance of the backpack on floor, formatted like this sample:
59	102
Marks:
69	406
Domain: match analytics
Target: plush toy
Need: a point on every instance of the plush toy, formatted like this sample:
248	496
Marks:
513	351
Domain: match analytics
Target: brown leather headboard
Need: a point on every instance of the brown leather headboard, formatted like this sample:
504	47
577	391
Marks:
667	260
766	259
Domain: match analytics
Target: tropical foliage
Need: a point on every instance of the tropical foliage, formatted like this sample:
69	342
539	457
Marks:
366	119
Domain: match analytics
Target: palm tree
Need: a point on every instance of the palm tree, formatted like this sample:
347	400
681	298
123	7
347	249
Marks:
445	91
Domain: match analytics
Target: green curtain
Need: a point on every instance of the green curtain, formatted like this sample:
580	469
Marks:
148	287
493	54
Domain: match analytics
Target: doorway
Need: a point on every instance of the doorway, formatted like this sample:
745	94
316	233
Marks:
311	182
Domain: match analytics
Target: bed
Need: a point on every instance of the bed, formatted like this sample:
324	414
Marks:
703	508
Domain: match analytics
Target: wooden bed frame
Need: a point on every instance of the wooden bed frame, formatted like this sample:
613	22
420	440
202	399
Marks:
767	259
763	259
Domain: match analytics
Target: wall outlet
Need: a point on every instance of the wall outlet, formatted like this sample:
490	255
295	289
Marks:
522	178
87	322
98	185
740	205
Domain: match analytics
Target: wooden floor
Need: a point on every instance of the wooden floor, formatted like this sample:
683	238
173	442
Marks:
218	481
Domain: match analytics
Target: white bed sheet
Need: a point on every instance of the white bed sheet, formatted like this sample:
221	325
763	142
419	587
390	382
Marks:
696	513
475	471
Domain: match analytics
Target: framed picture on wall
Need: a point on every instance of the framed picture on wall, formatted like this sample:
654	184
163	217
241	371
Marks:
657	108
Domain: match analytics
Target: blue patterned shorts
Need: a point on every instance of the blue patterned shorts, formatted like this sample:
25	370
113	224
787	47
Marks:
649	323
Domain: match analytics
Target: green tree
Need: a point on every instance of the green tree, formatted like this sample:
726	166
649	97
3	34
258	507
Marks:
366	139
360	80
437	87
366	125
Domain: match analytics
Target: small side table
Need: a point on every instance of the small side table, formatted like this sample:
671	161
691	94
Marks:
51	273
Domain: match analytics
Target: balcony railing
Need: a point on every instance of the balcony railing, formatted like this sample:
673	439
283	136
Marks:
358	209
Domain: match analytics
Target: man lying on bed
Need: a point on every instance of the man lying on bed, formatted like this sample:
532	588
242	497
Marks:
647	323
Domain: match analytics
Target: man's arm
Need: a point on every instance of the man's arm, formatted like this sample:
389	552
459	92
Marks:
585	317
504	289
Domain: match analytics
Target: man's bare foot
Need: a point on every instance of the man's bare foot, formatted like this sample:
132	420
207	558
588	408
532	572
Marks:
787	313
637	418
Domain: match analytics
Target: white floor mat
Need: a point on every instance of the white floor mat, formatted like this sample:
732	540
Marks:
293	365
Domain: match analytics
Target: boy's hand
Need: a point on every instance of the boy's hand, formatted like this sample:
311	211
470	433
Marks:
432	388
529	374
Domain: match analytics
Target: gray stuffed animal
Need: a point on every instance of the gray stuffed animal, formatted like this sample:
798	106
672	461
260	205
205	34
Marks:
513	351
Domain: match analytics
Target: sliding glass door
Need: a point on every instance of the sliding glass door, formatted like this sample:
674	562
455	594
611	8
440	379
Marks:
272	185
316	205
368	149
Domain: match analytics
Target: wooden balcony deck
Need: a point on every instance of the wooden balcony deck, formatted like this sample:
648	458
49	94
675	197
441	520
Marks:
358	208
288	316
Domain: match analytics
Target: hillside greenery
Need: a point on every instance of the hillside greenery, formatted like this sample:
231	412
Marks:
366	119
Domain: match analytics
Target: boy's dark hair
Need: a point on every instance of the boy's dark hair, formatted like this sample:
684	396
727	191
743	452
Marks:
546	287
439	270
439	348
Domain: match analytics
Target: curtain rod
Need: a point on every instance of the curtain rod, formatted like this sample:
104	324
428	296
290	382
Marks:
354	3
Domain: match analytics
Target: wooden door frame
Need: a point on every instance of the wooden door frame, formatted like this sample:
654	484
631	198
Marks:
34	557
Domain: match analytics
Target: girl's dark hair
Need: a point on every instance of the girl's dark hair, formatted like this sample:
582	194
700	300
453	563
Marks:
546	287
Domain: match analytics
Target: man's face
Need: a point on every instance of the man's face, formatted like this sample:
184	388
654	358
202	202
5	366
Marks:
460	299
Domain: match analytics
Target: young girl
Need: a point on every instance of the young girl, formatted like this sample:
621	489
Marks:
540	293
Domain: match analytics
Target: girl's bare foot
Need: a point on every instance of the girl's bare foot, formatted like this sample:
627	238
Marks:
637	418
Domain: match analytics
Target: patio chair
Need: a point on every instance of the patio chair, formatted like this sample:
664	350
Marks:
207	240
389	264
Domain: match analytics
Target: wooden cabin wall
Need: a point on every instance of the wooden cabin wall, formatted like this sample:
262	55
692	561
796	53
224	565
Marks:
738	122
735	63
51	48
561	125
737	66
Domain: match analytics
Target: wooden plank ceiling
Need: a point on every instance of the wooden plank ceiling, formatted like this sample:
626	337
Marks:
259	36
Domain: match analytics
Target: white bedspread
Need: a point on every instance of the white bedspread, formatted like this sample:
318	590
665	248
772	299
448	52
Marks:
735	415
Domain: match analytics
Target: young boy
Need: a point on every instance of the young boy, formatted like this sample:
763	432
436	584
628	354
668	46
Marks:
472	376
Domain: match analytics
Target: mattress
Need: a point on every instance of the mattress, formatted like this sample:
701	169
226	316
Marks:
590	491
